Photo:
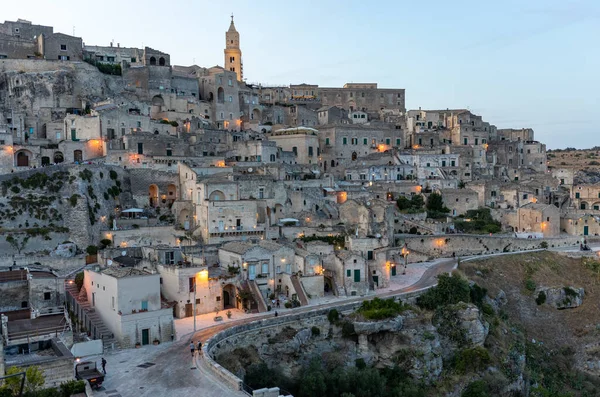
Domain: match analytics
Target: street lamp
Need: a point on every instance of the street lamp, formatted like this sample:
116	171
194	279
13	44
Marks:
405	253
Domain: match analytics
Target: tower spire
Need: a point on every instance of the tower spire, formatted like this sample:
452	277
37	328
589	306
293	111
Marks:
232	17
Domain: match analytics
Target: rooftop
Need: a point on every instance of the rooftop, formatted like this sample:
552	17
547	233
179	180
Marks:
121	272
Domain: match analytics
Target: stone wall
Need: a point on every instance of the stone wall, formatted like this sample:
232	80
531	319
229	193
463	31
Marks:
13	294
461	245
234	337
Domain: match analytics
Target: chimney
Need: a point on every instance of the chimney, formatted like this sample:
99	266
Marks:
119	45
111	43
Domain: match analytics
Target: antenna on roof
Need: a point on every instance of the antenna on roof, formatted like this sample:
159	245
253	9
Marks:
73	30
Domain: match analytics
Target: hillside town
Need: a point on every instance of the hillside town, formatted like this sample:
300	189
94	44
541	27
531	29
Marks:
138	195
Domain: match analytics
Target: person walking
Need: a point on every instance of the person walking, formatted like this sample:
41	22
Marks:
104	365
199	349
192	347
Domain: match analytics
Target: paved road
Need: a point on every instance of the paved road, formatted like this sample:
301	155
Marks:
168	370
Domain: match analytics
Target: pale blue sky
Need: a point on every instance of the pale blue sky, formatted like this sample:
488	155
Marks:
518	63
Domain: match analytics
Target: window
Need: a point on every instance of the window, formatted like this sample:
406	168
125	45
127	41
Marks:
191	284
465	141
348	273
310	151
261	193
169	152
356	275
365	141
397	141
229	82
265	268
133	60
344	141
218	299
387	141
140	147
144	305
230	98
327	141
493	193
295	150
63	47
354	141
47	296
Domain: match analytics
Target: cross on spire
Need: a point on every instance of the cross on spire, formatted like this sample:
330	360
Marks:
232	17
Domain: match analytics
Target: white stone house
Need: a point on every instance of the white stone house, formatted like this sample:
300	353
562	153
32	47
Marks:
128	302
350	270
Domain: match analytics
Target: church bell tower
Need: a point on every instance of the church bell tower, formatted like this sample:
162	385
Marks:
233	54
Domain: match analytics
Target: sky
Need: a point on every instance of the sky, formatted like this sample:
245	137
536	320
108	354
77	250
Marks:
519	64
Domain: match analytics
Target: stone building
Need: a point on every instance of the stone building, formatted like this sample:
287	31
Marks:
332	115
114	55
343	144
60	46
350	270
459	201
538	218
302	141
129	304
220	88
586	197
580	224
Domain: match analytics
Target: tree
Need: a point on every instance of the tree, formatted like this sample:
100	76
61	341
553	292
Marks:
79	280
417	201
17	243
34	380
403	203
450	290
436	203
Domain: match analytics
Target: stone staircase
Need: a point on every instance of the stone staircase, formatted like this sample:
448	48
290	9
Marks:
101	330
300	292
260	301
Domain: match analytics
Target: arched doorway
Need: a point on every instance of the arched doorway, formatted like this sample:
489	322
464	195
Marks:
211	97
216	195
58	157
158	100
22	158
45	161
229	297
161	61
184	219
221	95
152	61
171	193
153	196
77	156
255	115
354	156
332	163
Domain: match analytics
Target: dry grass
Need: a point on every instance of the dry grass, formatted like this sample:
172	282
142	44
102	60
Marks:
578	159
509	273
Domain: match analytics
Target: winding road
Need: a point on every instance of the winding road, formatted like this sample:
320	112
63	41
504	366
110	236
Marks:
172	371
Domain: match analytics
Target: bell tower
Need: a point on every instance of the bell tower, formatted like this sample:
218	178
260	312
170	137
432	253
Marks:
233	54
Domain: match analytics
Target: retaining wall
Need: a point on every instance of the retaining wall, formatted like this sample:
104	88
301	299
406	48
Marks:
231	335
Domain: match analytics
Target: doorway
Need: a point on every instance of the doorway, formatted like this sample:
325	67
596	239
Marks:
145	336
586	230
226	298
376	281
393	270
189	310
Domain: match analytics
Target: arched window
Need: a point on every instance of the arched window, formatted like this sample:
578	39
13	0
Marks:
161	61
152	61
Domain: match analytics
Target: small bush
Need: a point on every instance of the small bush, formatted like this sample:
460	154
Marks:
348	329
15	189
541	298
91	250
288	305
360	363
450	290
544	245
73	200
487	309
476	389
333	316
378	309
79	280
472	360
315	331
530	285
113	175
